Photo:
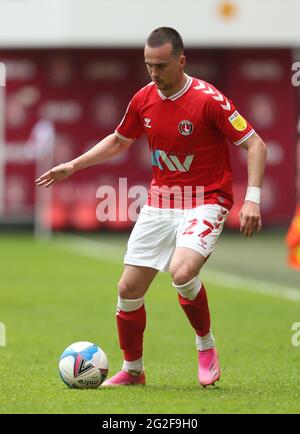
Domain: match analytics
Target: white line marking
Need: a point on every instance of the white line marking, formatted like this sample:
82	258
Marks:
90	248
240	283
104	251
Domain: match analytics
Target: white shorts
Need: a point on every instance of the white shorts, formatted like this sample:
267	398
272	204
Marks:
158	232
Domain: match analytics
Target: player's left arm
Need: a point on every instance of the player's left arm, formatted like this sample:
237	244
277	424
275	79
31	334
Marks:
222	113
250	215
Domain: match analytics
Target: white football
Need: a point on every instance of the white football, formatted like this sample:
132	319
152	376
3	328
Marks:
83	365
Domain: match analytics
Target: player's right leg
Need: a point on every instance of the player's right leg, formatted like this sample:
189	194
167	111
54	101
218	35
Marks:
149	250
131	323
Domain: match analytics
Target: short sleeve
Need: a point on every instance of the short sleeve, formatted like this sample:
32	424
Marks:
130	126
222	113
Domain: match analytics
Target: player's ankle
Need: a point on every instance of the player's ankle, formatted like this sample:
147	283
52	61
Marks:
134	367
204	343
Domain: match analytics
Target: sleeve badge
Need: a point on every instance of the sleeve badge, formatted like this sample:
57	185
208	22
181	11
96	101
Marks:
237	121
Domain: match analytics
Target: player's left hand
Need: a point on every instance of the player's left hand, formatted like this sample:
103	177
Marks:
250	218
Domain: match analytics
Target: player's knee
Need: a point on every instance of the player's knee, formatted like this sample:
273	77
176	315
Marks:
182	275
127	291
124	290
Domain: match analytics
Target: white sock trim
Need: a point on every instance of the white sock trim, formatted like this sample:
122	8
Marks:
127	305
136	366
206	342
189	290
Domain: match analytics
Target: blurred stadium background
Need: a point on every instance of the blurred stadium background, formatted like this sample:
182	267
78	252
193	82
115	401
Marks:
69	69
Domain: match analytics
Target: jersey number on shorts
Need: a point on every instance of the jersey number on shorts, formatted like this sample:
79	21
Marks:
194	222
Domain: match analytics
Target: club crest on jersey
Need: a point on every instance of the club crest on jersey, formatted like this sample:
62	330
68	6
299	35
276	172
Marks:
185	127
147	122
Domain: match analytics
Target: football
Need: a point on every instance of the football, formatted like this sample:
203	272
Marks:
83	365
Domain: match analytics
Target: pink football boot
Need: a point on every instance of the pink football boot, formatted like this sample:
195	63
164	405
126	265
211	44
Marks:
208	367
123	378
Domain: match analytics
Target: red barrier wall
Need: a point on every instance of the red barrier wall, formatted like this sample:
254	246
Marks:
84	93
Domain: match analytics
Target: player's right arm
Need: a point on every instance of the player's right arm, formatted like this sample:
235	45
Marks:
107	148
129	129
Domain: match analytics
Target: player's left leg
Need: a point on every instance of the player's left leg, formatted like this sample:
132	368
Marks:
196	240
185	267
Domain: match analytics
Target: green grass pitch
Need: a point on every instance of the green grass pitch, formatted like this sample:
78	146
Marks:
52	296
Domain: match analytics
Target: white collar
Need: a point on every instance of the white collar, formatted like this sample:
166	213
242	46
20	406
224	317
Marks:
180	92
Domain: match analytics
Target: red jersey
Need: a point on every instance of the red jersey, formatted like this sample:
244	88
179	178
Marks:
188	136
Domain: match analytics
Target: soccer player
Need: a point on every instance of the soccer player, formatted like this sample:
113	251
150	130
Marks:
188	123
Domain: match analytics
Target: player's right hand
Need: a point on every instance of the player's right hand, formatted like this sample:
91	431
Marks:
58	173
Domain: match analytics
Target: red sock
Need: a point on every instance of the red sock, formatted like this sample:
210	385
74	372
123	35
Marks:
197	312
131	326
